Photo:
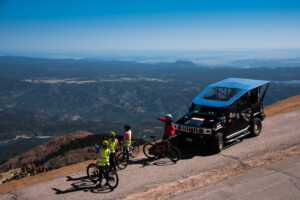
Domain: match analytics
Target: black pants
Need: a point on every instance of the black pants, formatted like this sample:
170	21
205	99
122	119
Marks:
103	169
165	137
112	160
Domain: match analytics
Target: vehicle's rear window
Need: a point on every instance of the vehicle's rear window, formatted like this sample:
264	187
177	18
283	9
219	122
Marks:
220	93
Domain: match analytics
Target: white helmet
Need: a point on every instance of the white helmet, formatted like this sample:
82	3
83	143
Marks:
169	115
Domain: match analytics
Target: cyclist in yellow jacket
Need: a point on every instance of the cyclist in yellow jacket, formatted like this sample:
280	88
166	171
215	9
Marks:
113	144
103	162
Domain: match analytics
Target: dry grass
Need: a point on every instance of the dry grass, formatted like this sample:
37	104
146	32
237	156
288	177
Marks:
289	104
42	151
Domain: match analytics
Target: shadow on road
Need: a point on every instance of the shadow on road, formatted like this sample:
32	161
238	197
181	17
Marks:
187	150
82	184
147	161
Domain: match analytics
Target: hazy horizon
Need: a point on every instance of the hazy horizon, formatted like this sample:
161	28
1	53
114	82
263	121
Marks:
202	57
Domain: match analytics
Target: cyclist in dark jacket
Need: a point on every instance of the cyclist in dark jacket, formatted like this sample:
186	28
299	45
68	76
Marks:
169	126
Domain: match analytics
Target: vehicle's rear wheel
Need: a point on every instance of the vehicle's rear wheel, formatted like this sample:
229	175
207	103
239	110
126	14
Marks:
217	142
255	128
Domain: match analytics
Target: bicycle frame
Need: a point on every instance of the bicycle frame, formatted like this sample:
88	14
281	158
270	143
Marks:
165	144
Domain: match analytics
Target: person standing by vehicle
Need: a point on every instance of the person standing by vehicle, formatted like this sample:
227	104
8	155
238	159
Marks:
103	162
127	138
113	144
169	126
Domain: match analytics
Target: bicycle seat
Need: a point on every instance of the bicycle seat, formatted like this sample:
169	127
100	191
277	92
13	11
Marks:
152	137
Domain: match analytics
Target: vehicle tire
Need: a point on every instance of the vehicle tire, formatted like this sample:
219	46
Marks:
150	150
255	128
134	149
122	160
113	179
173	153
93	172
217	142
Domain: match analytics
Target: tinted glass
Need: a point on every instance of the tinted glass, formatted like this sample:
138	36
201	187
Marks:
205	110
220	93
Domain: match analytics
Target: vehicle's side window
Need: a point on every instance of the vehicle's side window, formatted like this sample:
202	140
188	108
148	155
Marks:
243	105
232	111
254	96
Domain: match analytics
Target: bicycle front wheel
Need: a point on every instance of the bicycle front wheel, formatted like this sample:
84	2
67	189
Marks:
173	153
150	150
93	172
113	179
122	160
134	149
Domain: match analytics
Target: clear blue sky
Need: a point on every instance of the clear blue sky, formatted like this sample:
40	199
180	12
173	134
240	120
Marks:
148	24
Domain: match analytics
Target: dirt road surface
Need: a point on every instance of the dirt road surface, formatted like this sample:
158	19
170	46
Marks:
279	132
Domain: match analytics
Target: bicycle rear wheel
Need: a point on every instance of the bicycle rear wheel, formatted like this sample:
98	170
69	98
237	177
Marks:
150	150
93	172
113	179
122	160
134	149
173	153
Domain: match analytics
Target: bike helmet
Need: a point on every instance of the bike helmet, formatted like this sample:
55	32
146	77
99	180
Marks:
127	127
169	115
105	143
112	134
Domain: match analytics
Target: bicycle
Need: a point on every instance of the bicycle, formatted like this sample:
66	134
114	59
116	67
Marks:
154	151
93	172
134	149
122	158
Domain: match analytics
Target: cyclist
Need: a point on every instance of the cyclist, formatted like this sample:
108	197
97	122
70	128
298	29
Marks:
113	144
127	138
103	162
169	126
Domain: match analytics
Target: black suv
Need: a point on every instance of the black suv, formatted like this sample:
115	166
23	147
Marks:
224	112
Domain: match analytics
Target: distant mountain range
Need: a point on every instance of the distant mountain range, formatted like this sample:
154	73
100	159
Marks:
240	58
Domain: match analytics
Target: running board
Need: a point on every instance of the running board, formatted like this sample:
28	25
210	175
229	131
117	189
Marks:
240	136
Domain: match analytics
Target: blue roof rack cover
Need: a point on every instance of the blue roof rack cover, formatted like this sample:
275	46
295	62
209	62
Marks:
243	84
